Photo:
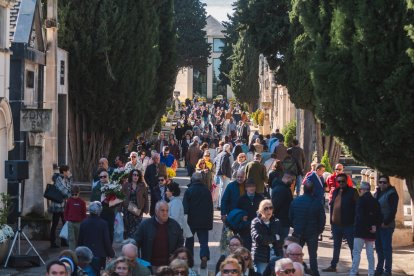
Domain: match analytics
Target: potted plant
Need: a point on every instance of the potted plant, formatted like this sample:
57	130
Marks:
6	232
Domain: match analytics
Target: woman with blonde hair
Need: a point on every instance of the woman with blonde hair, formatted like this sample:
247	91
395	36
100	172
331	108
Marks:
206	173
120	267
248	262
265	233
231	266
179	267
239	164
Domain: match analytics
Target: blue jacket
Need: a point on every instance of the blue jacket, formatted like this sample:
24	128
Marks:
319	189
230	197
307	216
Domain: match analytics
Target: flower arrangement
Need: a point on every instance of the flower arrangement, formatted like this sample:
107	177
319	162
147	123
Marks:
6	231
170	172
119	174
112	193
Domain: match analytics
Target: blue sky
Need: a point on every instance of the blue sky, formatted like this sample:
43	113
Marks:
218	8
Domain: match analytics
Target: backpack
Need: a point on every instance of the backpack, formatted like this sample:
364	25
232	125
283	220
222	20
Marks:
290	166
235	220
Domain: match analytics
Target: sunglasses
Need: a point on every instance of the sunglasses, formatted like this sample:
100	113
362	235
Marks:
382	182
268	208
134	174
161	180
288	271
103	176
230	271
75	194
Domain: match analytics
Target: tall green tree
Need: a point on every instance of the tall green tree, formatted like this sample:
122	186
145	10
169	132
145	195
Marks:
192	47
363	78
113	60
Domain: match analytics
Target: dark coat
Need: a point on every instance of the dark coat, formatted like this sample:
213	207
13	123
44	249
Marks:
94	234
319	189
367	214
223	165
262	237
230	197
146	234
281	200
151	176
348	205
198	205
250	206
307	216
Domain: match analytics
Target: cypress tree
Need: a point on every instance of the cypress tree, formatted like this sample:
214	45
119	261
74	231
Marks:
363	79
113	61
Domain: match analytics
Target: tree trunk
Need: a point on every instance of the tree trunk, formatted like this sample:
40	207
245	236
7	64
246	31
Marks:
85	147
305	132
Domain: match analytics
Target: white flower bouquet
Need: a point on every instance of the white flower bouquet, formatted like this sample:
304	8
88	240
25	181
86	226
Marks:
112	194
6	232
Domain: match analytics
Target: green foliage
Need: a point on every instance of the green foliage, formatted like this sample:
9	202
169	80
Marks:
258	117
325	161
5	202
192	47
289	132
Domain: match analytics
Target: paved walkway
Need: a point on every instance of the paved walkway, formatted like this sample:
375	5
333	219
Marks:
403	257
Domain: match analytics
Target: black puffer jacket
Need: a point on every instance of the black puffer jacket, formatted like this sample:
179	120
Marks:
262	236
368	213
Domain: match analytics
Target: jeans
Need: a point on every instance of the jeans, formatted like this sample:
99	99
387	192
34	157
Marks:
223	185
312	243
299	180
383	246
259	267
73	233
356	256
55	222
202	235
190	169
340	232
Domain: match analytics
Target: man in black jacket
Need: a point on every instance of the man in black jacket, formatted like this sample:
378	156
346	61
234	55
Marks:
307	217
342	212
223	171
159	236
198	205
281	199
368	219
249	202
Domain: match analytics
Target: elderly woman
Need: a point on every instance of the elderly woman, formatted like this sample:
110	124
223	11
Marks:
265	233
135	203
94	234
239	164
184	254
135	162
234	243
231	266
85	257
179	267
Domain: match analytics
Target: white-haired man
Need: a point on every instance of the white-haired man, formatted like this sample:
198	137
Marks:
223	171
130	252
284	267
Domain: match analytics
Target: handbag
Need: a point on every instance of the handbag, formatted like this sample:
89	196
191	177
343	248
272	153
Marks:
64	233
133	208
52	193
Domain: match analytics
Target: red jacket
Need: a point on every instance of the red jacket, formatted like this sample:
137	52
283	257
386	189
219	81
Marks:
75	210
332	184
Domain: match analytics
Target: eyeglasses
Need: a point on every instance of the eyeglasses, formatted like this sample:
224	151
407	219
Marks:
268	208
103	176
161	180
288	271
382	182
134	174
75	194
230	271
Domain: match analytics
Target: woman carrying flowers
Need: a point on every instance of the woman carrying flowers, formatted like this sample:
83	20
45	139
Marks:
135	203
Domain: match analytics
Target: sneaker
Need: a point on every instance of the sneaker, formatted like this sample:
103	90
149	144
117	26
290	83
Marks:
203	264
329	269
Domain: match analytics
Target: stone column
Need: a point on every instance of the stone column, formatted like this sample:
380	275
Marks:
33	189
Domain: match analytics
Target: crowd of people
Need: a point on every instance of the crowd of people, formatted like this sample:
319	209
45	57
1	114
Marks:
270	206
